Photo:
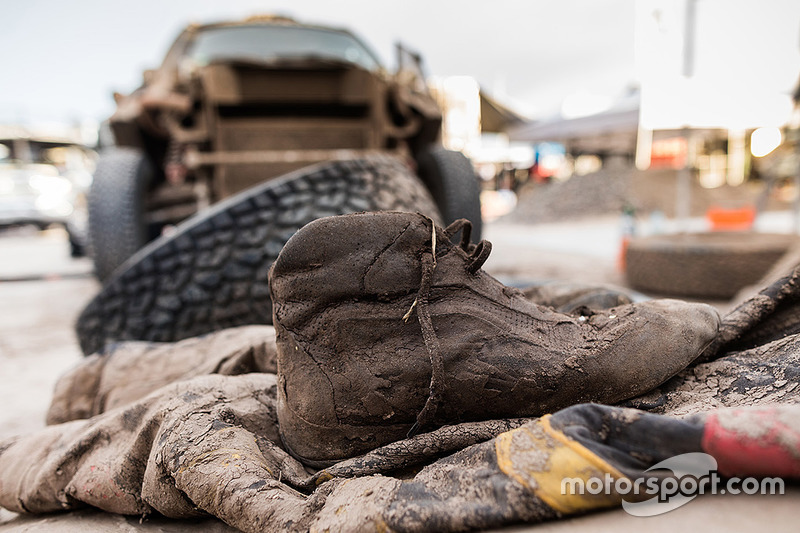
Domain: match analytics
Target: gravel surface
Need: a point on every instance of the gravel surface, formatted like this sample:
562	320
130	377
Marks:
608	191
598	193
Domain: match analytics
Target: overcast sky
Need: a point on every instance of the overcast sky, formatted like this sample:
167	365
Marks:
62	59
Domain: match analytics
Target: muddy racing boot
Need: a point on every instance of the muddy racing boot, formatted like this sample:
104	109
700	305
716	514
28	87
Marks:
385	328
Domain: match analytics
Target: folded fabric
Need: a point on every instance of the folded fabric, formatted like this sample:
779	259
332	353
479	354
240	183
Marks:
210	445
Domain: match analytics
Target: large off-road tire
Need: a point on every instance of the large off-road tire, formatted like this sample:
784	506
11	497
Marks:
454	185
212	272
702	265
116	207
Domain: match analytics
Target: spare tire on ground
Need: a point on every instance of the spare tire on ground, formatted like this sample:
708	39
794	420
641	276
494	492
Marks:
211	274
712	265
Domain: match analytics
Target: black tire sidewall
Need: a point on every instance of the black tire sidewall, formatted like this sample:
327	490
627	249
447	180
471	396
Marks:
455	187
116	207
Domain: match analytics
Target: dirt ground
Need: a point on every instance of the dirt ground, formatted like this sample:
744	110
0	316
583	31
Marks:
42	291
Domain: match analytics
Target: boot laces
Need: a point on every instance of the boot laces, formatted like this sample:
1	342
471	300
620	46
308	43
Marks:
477	255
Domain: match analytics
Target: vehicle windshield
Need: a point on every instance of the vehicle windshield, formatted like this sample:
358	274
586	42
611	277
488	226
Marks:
269	43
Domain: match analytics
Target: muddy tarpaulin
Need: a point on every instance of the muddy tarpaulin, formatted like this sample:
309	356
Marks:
189	429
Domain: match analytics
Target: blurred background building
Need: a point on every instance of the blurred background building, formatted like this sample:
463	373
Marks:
714	88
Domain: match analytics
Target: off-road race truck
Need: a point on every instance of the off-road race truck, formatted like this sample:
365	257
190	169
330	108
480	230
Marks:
235	104
245	133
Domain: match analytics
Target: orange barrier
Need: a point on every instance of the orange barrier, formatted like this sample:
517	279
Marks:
623	252
731	219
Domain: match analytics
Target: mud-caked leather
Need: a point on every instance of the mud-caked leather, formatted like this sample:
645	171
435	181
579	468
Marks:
353	374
